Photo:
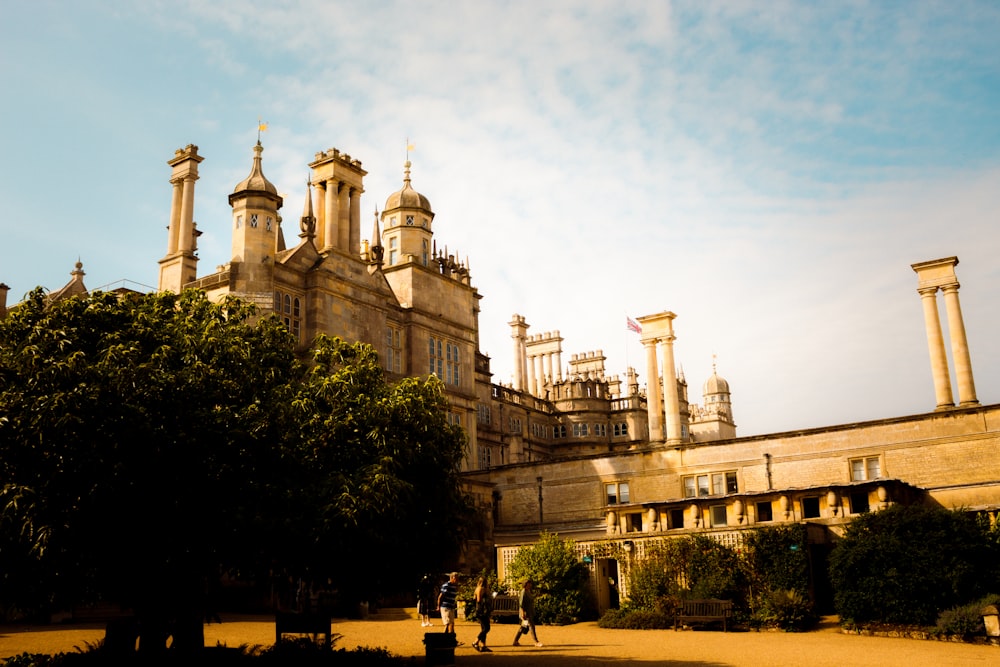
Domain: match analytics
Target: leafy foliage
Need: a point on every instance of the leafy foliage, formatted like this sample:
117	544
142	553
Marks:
689	567
776	566
787	609
905	564
149	443
965	620
559	578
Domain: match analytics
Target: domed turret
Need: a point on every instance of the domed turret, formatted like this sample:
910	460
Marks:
715	385
407	234
256	182
407	197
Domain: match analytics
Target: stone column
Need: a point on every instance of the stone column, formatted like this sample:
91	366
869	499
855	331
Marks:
547	359
320	239
531	373
672	406
959	347
935	345
354	246
344	218
174	230
653	391
186	231
539	376
331	216
519	332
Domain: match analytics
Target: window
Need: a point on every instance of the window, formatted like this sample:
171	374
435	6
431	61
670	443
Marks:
617	493
676	519
581	430
866	468
514	424
253	220
718	514
485	457
859	502
239	221
601	430
424	255
539	430
394	350
810	507
764	511
620	429
444	360
454	418
267	223
485	414
288	308
559	431
716	484
393	249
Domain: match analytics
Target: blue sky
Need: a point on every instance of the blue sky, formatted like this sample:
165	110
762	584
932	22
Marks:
767	171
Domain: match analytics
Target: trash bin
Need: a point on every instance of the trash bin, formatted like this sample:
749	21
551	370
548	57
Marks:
439	648
991	620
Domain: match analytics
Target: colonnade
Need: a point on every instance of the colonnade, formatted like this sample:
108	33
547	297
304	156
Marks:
536	358
939	274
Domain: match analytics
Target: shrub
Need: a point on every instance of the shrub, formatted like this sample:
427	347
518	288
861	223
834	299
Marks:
905	564
636	619
789	610
560	578
966	620
686	567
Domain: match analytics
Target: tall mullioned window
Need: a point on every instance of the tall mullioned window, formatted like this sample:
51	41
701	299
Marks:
288	308
394	350
445	360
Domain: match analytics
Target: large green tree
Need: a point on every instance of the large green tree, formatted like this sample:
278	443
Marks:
150	442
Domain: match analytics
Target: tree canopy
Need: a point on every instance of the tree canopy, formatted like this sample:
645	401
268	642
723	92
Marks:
149	443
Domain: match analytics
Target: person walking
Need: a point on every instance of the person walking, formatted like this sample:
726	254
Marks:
425	598
447	602
484	609
526	603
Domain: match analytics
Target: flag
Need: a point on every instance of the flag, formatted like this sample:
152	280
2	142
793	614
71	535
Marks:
409	147
632	325
262	127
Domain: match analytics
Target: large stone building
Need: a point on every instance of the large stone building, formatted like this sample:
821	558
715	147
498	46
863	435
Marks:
608	462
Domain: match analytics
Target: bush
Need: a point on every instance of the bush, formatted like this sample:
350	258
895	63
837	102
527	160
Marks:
966	620
905	564
686	567
636	619
560	578
788	610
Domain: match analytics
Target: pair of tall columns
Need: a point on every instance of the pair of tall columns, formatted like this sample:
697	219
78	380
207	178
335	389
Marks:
939	274
662	401
180	234
339	224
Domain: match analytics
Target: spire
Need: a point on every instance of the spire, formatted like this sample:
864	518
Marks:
256	181
308	222
377	251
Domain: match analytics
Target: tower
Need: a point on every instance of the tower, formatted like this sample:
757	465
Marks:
406	224
255	203
180	265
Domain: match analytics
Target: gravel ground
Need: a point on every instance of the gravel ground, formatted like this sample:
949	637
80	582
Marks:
583	644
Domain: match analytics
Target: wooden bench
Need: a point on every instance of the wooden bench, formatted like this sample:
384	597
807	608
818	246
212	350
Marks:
703	610
303	623
506	606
